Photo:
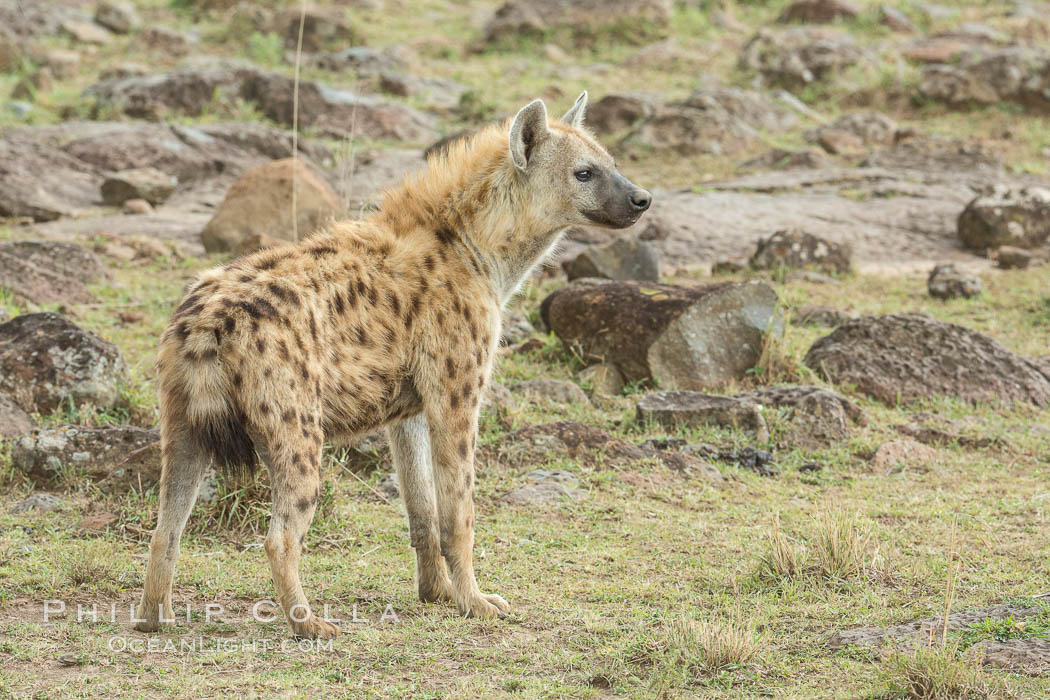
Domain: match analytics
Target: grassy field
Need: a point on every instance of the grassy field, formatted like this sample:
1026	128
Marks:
649	584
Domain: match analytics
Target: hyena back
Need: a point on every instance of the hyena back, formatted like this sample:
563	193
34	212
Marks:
389	322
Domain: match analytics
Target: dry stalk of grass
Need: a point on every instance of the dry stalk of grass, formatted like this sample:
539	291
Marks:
708	647
295	122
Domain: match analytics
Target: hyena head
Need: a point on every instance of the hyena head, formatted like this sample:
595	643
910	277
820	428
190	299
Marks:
571	179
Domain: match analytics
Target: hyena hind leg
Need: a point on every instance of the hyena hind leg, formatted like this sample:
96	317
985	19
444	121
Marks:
294	488
183	465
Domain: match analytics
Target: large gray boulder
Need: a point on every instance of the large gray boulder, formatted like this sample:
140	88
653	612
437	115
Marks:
1018	217
46	362
696	338
899	358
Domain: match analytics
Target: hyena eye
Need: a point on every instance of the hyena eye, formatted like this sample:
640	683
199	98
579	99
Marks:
583	175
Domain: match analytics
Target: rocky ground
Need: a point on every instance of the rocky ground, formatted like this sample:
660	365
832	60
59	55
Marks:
786	437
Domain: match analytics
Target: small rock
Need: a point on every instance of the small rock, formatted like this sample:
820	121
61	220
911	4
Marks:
168	41
319	29
794	249
897	455
63	63
676	408
623	259
553	390
950	282
44	502
818	11
1016	217
86	32
119	16
149	184
1010	258
136	206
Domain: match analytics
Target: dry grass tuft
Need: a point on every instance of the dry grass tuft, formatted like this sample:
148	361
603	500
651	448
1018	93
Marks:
842	548
708	647
934	672
783	561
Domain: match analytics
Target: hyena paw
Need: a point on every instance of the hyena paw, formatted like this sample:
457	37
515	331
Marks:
150	621
439	590
314	628
485	607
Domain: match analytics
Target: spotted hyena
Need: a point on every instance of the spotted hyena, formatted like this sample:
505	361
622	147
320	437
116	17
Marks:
388	322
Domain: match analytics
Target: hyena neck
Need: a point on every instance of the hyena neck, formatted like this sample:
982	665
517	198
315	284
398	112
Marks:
474	199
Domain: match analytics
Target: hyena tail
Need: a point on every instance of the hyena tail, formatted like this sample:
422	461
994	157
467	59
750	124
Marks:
198	397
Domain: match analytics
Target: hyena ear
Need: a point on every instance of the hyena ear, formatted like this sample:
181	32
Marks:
528	130
574	117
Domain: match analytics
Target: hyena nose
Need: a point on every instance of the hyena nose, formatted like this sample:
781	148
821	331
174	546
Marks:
640	200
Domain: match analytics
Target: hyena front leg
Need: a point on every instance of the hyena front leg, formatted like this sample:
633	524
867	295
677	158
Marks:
294	465
453	438
183	464
410	445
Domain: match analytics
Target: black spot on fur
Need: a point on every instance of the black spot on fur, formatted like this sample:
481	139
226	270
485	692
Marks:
267	263
428	262
285	295
303	504
445	235
218	335
395	303
463	449
229	323
340	305
186	304
321	251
